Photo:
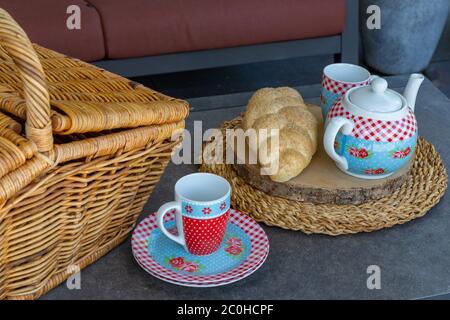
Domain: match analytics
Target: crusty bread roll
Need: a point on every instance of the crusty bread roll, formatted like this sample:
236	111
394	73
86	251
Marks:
283	108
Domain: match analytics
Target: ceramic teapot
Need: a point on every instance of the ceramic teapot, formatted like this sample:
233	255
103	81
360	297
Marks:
372	132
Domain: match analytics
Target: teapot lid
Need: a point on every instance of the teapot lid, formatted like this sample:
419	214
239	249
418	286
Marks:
376	97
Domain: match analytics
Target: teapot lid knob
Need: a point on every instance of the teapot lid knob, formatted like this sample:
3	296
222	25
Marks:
379	85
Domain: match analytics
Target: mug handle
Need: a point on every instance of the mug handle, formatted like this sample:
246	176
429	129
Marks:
329	137
160	221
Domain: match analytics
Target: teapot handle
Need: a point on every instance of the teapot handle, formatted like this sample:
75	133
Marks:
329	137
373	77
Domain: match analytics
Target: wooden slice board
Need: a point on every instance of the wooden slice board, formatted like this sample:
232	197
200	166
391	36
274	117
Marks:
322	181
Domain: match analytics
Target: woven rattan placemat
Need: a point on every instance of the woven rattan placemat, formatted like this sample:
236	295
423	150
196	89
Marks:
422	190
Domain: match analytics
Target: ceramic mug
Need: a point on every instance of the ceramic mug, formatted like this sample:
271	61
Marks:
202	202
337	79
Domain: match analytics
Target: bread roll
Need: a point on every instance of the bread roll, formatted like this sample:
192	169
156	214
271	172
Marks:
284	109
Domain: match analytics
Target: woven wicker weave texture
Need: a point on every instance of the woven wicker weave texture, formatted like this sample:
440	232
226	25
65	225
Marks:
422	190
81	150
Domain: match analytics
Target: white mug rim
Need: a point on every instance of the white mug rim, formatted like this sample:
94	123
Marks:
184	198
326	72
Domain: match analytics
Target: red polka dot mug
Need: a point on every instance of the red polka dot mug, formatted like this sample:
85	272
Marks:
202	202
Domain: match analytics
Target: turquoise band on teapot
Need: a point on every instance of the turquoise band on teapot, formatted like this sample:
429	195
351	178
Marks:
374	159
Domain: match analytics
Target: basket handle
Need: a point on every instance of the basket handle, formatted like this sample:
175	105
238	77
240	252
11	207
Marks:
14	40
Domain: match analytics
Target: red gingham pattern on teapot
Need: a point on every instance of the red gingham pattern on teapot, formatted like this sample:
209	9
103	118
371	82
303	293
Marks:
340	87
377	130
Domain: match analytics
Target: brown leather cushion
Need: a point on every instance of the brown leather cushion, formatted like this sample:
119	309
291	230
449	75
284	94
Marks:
135	28
45	23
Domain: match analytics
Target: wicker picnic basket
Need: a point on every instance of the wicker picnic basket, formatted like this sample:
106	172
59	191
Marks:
81	149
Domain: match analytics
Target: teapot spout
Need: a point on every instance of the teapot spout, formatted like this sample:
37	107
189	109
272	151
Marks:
412	87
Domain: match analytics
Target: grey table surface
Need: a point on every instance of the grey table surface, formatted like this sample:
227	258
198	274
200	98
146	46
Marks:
414	258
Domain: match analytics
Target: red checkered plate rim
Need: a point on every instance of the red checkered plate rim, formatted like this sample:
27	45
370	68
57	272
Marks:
206	284
259	249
